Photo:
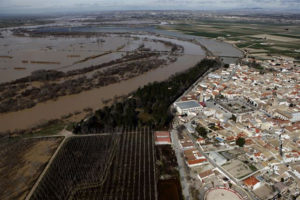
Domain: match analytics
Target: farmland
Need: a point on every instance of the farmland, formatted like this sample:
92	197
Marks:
261	40
22	161
119	165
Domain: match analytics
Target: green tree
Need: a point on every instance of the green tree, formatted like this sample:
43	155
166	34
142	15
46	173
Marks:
233	118
152	100
240	141
202	131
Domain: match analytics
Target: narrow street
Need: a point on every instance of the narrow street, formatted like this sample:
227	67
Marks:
183	176
251	196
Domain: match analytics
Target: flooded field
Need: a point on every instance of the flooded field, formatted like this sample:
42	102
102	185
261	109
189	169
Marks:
71	53
20	56
225	50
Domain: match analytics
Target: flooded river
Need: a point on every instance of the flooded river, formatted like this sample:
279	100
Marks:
218	48
20	56
93	98
88	46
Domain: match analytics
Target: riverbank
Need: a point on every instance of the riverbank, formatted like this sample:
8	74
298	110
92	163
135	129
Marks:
148	106
96	98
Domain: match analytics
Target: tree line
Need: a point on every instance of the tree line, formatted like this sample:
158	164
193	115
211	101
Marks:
148	106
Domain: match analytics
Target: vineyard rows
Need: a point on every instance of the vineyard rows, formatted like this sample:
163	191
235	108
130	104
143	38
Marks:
115	166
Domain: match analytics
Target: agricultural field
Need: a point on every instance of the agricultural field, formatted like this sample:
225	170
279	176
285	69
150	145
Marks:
109	166
260	40
21	163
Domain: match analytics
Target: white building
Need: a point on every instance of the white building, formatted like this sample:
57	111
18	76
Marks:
295	117
185	107
190	128
209	112
217	158
287	115
215	76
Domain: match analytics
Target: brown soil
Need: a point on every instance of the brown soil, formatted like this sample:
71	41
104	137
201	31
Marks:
22	161
169	189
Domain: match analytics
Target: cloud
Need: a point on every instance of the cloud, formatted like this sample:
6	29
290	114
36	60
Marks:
54	5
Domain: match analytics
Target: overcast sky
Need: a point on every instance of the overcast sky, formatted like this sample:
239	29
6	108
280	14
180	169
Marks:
40	6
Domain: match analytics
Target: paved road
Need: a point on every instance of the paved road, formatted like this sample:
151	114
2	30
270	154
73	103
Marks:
45	170
184	183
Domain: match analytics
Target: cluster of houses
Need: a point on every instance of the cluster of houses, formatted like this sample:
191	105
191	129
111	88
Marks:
263	107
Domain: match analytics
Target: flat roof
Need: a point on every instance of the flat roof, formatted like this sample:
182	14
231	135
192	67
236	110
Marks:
162	139
187	144
220	139
206	173
187	104
191	154
162	134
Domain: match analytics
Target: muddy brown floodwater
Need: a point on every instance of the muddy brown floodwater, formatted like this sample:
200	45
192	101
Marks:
29	54
93	98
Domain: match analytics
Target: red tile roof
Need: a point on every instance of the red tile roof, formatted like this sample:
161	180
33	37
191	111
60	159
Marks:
161	139
187	144
206	173
162	134
193	162
249	141
241	134
257	154
251	181
230	138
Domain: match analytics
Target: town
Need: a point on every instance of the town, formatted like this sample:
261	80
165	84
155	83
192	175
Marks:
236	132
174	103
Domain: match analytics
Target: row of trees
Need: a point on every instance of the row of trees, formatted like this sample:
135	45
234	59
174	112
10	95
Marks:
149	106
80	160
115	166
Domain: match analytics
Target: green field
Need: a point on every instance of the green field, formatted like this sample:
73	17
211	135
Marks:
47	130
281	39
